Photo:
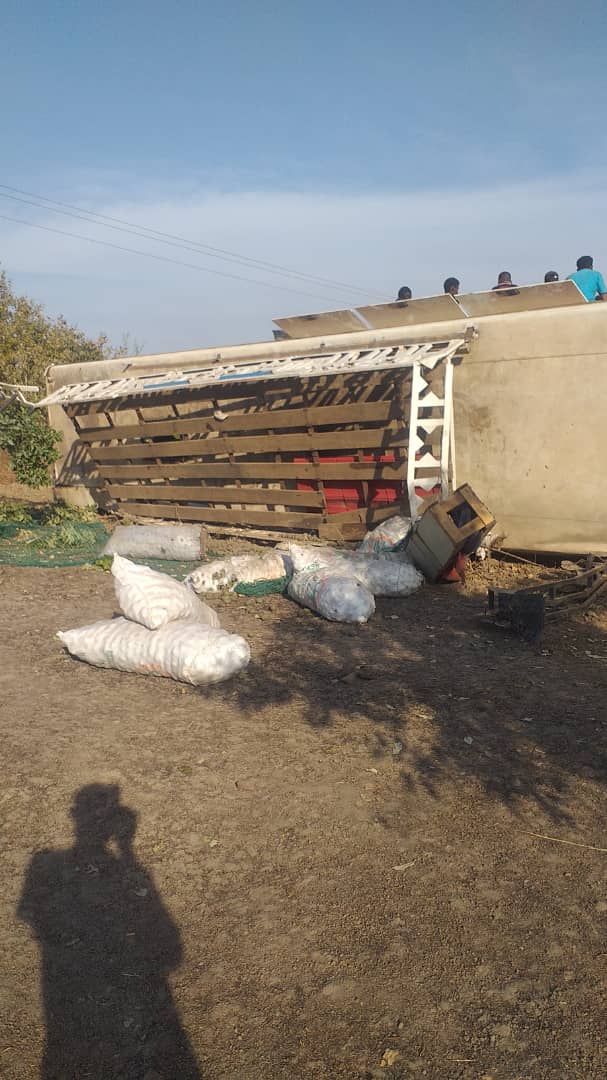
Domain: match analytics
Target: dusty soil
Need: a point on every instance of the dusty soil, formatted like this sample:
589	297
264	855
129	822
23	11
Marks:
332	862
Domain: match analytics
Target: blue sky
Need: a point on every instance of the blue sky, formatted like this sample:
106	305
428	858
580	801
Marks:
371	146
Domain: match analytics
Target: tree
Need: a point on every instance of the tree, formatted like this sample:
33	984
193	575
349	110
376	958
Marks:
30	341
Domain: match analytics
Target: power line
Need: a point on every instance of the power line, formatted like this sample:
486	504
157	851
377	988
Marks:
177	241
160	258
135	232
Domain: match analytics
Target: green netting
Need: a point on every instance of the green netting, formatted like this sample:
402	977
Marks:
262	588
70	543
172	567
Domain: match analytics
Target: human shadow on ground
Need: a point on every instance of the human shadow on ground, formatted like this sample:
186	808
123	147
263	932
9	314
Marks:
465	700
107	947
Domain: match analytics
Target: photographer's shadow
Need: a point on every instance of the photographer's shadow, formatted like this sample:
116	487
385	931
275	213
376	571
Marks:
107	947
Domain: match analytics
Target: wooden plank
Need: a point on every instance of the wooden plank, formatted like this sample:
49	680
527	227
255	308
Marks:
303	392
374	412
202	493
331	530
344	527
384	438
181	512
368	516
259	470
258	534
299	393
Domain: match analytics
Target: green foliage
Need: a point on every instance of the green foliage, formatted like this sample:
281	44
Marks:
57	513
30	342
15	512
30	443
104	562
70	534
53	514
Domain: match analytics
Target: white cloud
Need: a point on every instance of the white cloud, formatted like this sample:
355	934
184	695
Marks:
376	241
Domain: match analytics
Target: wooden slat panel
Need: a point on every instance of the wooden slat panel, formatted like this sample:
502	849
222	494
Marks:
366	515
300	393
259	470
374	412
202	493
171	512
353	524
380	439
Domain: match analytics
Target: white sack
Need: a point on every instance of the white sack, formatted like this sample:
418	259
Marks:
153	599
332	595
390	574
178	542
184	650
387	536
224	573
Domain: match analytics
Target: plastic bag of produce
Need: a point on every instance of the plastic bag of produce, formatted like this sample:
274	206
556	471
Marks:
332	595
153	599
184	650
390	574
238	569
389	535
178	542
385	576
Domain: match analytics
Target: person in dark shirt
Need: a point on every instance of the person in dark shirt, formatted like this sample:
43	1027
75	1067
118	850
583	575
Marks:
550	276
451	286
404	293
504	281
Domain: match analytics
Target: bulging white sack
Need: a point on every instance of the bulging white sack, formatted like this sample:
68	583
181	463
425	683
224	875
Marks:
178	542
224	573
386	576
390	574
333	595
153	599
184	650
387	536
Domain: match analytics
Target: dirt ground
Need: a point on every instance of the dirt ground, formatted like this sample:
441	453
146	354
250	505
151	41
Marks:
324	868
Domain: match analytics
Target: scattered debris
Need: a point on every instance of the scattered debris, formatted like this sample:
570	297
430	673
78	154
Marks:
389	1059
526	610
448	528
571	843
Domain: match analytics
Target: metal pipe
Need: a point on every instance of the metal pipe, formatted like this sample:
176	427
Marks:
64	374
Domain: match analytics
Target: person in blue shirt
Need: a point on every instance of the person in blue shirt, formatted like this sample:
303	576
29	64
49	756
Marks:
588	280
